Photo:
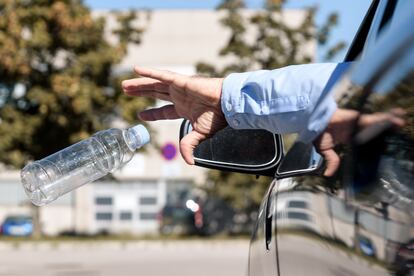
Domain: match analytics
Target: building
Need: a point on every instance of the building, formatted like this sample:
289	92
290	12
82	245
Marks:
174	40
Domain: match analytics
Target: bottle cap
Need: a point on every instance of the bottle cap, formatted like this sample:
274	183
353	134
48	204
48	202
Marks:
141	133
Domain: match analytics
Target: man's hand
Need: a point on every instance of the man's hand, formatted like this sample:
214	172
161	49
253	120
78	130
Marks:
341	127
193	98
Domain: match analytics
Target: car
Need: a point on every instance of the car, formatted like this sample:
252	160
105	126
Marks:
17	226
180	220
360	221
196	216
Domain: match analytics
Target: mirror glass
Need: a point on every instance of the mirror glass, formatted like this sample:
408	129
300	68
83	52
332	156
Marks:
300	158
241	147
241	150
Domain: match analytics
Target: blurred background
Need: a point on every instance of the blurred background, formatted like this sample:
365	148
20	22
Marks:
60	72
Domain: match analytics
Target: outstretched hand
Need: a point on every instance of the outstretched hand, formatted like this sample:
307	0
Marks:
193	98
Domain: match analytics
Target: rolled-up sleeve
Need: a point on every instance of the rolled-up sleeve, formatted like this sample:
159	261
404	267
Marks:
280	101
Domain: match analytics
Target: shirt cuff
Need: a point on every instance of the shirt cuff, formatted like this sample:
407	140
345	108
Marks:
230	98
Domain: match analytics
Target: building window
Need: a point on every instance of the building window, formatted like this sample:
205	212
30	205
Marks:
103	216
125	216
298	215
298	204
148	200
103	200
148	185
147	216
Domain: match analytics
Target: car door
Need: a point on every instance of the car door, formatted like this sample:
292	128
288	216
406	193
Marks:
360	222
262	250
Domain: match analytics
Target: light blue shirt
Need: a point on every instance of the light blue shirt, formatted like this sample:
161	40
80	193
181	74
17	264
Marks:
292	99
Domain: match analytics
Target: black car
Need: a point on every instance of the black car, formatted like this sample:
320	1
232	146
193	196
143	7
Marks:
361	220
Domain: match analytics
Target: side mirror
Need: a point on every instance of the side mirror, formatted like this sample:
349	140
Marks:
301	159
248	151
256	152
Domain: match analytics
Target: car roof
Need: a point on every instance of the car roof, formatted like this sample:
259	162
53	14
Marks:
18	217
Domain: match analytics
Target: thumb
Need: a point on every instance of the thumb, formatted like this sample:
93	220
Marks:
332	162
188	144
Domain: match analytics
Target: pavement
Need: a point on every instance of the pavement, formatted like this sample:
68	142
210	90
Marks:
118	258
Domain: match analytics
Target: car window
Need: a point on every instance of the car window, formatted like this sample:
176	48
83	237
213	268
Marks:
379	88
387	16
18	219
400	7
358	43
383	15
384	151
380	16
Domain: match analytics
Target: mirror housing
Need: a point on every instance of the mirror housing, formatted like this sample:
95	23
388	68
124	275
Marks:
301	159
257	152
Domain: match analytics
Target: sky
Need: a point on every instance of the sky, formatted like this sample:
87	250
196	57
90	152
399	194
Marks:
350	12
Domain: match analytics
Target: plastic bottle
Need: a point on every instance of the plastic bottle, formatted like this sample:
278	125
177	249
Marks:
88	160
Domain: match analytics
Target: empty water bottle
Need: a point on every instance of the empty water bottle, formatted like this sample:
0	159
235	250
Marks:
88	160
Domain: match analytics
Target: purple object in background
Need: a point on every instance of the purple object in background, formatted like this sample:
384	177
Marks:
169	151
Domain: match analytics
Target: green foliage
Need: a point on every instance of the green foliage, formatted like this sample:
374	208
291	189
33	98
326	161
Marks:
274	44
58	53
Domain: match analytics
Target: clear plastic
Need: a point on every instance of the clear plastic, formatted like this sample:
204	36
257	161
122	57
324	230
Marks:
86	161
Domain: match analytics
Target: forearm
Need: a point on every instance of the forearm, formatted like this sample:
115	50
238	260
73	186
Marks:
281	100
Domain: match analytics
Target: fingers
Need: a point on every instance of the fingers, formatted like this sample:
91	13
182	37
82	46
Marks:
152	95
325	145
146	87
166	112
332	162
161	75
144	84
188	144
395	117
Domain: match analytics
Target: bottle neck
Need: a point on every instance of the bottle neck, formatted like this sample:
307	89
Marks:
132	139
136	137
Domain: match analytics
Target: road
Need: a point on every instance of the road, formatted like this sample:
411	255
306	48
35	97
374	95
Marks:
195	258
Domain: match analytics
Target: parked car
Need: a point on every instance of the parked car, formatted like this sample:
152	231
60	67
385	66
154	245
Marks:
196	216
178	220
360	221
17	226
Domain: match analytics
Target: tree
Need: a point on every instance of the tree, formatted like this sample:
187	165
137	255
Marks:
57	65
275	44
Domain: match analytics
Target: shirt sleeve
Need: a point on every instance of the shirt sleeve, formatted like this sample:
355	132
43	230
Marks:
282	100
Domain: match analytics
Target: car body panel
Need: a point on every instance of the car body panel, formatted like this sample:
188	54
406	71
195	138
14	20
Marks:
263	247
